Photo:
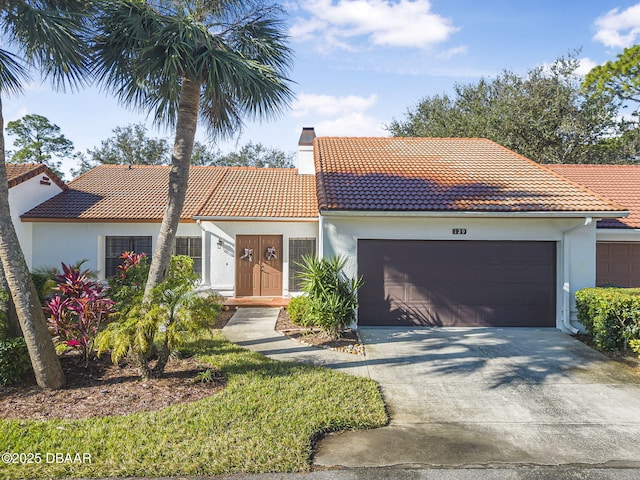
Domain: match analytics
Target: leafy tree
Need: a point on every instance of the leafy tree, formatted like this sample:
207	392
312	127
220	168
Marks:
46	34
129	145
257	155
204	156
39	141
620	77
190	59
543	115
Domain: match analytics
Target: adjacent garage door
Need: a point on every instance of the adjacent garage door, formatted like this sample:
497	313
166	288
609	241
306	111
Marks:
457	283
618	264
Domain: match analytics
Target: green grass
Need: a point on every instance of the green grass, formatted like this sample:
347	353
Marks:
265	420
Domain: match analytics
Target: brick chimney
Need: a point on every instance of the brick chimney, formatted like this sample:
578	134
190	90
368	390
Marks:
305	151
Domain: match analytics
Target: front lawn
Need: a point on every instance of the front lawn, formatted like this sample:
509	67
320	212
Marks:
265	420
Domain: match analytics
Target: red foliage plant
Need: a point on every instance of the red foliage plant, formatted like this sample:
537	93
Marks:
76	312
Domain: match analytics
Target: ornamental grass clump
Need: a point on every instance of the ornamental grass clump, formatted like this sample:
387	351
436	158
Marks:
77	309
332	295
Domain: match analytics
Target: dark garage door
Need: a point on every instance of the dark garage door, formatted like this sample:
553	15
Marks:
618	264
457	283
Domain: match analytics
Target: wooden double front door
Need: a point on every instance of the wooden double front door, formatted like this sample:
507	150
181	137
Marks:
258	265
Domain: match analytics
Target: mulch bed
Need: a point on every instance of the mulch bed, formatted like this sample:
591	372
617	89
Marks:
314	337
103	389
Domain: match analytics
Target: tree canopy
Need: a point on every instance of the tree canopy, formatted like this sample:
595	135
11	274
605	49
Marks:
620	77
39	141
131	145
544	115
255	155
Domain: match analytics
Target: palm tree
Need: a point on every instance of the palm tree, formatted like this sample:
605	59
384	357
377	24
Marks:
46	34
184	61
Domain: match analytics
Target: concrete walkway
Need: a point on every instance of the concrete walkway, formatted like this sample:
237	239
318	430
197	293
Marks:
253	328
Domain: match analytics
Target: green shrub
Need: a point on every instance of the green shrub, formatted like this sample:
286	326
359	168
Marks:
44	281
610	315
129	280
174	316
298	310
332	296
14	360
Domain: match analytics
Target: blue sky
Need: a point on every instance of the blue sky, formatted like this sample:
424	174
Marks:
361	63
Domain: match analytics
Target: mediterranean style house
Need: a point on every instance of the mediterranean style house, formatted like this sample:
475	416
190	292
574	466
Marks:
444	232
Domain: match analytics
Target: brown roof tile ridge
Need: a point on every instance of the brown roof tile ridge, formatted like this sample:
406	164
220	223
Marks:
256	169
37	169
214	187
608	201
398	138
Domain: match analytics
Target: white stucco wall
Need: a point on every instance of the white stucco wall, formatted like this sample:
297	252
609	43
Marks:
68	242
219	266
55	242
22	198
575	242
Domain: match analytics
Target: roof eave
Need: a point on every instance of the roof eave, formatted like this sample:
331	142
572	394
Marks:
473	213
218	218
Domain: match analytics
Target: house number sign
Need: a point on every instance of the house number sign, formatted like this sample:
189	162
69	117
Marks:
459	231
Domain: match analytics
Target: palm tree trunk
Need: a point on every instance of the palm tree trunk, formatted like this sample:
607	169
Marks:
42	352
178	181
7	308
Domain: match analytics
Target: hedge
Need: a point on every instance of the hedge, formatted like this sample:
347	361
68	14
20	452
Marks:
611	316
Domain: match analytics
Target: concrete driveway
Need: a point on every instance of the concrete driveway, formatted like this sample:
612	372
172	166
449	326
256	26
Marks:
493	396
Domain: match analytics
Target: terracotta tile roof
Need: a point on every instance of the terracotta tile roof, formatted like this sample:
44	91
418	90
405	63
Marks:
18	173
441	174
260	192
117	193
620	183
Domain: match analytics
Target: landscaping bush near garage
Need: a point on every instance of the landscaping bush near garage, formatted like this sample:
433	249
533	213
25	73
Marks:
266	419
331	297
611	316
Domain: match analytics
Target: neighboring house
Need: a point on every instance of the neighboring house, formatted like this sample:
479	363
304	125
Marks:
617	239
444	231
30	184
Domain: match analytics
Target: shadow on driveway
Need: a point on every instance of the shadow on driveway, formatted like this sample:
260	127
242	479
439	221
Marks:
460	396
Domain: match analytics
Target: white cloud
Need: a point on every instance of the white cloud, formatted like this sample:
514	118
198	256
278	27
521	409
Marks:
452	52
338	116
403	23
619	28
328	105
586	64
355	124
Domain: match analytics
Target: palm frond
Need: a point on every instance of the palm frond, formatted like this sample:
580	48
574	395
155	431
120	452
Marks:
12	73
52	36
236	51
